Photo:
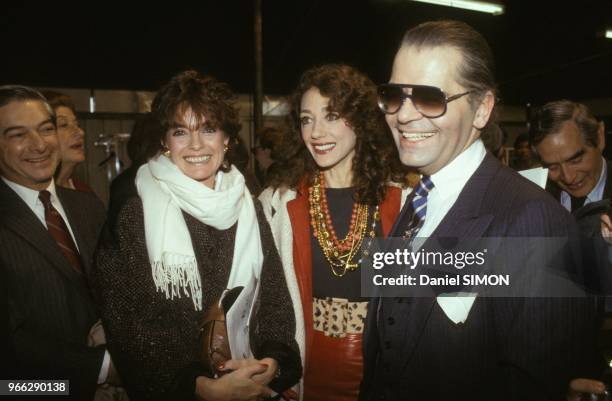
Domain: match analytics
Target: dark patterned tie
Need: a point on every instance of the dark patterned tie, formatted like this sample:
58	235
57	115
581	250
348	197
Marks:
410	221
417	208
577	203
59	231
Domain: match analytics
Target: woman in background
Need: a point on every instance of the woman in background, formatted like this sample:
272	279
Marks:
71	138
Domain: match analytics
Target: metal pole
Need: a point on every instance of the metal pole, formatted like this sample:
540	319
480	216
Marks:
258	106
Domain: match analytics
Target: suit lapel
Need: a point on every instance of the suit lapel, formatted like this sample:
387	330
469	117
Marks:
464	220
19	218
607	193
76	219
302	259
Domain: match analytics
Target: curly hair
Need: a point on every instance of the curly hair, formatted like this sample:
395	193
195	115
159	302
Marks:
353	96
210	100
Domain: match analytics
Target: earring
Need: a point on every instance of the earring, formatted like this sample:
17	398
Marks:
166	152
225	148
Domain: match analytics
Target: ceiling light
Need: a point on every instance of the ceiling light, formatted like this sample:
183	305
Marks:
609	33
482	6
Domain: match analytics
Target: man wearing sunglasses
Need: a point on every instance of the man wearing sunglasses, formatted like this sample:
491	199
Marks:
440	96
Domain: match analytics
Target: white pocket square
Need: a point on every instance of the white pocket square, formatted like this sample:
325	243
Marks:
457	306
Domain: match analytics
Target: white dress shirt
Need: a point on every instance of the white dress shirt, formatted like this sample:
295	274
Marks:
30	197
448	184
596	193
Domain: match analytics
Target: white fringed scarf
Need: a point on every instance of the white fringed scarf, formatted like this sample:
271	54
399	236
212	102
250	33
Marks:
165	191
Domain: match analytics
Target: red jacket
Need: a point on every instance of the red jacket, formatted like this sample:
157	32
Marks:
302	257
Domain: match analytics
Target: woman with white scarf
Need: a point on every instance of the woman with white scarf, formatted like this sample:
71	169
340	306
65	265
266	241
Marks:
194	231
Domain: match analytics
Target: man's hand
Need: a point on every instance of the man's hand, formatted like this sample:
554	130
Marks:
96	335
578	387
606	228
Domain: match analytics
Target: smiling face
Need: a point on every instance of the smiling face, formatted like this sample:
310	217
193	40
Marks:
70	136
327	136
28	144
431	143
196	147
573	164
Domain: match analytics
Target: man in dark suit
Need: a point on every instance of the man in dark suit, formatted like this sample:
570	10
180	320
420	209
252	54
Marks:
47	236
569	141
467	346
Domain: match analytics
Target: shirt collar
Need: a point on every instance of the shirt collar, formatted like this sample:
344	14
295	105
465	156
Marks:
596	193
29	195
451	179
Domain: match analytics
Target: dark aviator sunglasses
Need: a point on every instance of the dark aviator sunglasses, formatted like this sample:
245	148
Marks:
430	101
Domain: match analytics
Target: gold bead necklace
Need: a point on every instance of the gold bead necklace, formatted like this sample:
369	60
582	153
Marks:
339	253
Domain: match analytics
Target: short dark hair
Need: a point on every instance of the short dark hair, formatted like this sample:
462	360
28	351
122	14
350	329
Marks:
549	118
208	98
477	71
57	99
493	138
21	93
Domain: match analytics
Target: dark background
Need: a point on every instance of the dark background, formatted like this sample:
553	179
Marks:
544	49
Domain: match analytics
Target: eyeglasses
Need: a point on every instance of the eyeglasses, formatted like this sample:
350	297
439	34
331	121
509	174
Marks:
427	100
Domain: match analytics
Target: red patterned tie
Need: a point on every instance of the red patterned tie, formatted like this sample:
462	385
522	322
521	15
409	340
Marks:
59	231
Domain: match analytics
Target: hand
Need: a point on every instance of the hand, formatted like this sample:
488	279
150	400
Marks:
262	378
579	386
606	228
235	386
290	395
96	335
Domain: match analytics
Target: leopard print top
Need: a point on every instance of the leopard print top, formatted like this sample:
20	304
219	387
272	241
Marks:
337	317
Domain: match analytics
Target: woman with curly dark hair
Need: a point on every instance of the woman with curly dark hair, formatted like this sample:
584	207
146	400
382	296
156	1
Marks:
331	199
193	231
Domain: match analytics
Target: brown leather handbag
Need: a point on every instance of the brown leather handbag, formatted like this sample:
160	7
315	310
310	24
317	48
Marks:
214	339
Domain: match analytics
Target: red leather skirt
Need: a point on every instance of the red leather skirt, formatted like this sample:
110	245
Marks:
335	368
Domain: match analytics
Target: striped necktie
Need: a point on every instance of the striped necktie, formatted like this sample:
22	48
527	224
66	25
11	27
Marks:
59	231
417	209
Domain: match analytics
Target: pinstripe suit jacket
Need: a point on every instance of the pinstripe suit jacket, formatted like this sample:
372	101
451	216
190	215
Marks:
509	348
50	308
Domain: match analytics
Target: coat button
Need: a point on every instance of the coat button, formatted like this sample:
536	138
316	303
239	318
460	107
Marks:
391	321
388	344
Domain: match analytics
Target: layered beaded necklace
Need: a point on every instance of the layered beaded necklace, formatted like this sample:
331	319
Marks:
340	253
